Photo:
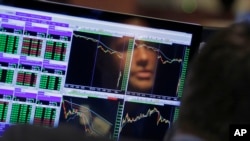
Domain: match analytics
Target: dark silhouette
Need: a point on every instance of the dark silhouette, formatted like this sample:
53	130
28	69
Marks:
216	93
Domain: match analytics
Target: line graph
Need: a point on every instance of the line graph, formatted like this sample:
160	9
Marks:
102	46
168	62
99	61
110	51
145	121
127	119
92	123
161	56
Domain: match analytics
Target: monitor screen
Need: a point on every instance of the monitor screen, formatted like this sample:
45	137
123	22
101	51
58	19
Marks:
108	74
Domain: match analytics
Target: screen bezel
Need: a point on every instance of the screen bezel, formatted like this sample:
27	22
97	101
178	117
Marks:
111	16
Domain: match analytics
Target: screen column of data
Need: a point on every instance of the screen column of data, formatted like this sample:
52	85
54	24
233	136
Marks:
52	75
55	50
32	44
6	75
22	106
8	43
3	109
50	82
9	39
57	44
47	110
6	96
31	47
26	78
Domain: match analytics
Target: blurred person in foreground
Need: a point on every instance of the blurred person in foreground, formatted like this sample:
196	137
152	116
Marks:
216	93
26	132
65	132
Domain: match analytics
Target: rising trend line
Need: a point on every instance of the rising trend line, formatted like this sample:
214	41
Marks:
159	120
162	57
102	46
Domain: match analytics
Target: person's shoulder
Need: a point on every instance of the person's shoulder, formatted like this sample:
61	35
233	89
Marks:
39	133
186	137
32	132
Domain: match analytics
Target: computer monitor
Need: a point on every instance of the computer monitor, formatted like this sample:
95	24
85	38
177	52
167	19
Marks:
109	74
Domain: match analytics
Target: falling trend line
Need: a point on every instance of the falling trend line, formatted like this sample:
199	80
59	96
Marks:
80	106
75	112
86	115
110	52
162	57
107	50
159	120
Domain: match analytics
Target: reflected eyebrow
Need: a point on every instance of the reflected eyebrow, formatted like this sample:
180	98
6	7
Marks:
147	46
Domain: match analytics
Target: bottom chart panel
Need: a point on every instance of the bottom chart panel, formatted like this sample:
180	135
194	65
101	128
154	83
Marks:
94	116
146	121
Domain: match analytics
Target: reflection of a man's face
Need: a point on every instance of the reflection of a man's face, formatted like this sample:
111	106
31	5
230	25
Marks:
143	65
144	61
142	68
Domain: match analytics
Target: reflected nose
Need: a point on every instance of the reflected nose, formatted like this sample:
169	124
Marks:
142	56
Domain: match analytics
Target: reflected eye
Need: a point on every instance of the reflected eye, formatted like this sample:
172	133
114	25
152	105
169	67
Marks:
121	48
140	45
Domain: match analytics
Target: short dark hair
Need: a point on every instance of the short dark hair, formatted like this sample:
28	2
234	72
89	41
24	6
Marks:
216	93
